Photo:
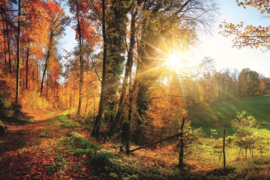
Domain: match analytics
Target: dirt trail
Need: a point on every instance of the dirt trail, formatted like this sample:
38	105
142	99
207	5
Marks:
37	150
16	133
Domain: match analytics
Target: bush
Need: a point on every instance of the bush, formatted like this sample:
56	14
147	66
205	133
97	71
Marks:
16	108
79	152
44	135
246	135
102	160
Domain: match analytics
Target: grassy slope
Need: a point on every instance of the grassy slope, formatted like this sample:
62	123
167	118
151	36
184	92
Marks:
221	113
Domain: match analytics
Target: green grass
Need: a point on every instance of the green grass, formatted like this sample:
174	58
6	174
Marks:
63	121
220	114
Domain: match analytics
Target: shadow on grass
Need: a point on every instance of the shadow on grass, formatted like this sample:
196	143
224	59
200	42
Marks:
12	141
22	118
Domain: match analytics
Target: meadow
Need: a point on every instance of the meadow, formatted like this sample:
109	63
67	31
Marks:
220	114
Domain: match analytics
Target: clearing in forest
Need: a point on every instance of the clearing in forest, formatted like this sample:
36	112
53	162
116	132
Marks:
220	114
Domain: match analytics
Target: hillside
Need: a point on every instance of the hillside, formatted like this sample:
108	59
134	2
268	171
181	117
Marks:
220	114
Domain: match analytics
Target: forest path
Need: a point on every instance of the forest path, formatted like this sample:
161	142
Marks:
35	150
17	131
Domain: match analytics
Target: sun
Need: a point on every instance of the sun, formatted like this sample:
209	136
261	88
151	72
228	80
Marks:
173	61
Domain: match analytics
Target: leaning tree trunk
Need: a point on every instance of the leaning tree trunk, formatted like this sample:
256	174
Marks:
46	65
127	75
103	87
181	153
132	90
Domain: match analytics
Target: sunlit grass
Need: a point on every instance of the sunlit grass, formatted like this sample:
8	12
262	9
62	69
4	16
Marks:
223	112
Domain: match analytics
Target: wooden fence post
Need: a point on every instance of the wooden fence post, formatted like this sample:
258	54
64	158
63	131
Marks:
224	157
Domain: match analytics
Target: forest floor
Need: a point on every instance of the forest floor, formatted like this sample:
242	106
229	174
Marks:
30	150
58	147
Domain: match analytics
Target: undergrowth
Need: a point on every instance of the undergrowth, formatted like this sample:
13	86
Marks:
54	150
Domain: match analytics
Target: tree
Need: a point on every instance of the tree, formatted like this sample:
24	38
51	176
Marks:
163	22
34	31
252	36
116	49
85	35
249	83
128	68
57	22
96	130
18	51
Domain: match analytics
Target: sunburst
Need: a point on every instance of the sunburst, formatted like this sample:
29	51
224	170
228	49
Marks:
173	61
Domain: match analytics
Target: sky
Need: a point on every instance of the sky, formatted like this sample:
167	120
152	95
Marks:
220	48
216	46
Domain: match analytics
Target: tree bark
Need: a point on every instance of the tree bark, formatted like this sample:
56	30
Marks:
4	35
47	89
81	61
8	41
181	153
46	64
127	74
96	131
70	93
27	60
18	52
132	89
37	79
9	54
33	87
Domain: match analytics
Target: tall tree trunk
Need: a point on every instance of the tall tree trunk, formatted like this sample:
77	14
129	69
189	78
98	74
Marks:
132	89
70	93
181	153
127	74
18	52
103	86
116	49
47	86
9	54
26	73
81	61
33	87
46	64
4	35
37	79
86	106
94	104
74	92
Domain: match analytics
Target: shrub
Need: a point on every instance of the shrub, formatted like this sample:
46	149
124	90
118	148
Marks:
16	108
246	135
79	152
44	135
102	160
